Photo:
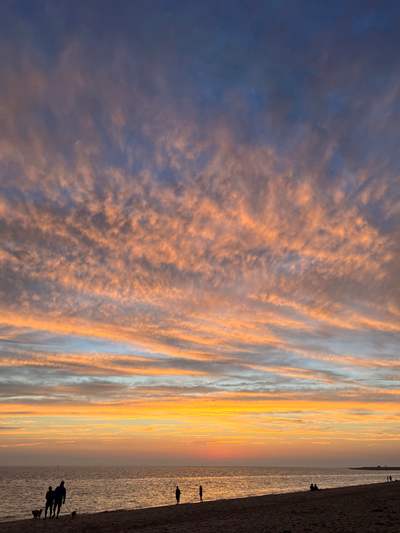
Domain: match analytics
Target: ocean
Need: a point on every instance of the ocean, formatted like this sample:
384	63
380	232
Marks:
96	489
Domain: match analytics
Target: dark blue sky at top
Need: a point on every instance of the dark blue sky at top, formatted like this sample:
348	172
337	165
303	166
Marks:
266	53
268	70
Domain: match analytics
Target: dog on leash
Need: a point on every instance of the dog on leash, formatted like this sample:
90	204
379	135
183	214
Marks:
73	514
37	513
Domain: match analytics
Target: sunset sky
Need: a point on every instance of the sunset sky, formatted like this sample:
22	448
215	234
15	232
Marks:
200	232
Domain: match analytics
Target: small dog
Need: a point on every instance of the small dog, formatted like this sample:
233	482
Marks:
73	514
37	513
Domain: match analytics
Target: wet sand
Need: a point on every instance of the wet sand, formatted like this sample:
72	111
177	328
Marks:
364	508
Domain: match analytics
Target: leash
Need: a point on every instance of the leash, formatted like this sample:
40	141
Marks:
66	507
69	510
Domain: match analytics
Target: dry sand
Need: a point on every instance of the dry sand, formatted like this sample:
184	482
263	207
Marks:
364	508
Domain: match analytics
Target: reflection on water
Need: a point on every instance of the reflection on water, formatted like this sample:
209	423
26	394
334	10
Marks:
96	489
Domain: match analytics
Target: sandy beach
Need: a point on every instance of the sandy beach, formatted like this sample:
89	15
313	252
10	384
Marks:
364	508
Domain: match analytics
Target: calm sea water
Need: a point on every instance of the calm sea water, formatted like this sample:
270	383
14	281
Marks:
96	489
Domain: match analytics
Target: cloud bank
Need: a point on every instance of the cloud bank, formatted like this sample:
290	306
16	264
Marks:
199	221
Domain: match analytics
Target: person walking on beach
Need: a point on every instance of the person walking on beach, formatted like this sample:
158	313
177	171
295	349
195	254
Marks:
177	494
59	498
201	493
49	502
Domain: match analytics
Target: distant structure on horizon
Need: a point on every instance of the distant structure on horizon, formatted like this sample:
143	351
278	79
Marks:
376	468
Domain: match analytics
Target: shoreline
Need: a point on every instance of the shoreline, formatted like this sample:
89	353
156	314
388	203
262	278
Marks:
345	509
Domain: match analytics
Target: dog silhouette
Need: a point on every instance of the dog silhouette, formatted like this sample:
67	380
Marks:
37	513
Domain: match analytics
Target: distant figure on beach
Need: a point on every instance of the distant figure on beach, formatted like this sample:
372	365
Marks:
313	487
390	478
59	498
177	494
49	502
201	493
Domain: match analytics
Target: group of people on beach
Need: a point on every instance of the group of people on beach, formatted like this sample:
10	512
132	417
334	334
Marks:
314	487
54	500
178	494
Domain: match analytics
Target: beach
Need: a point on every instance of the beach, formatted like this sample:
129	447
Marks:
363	508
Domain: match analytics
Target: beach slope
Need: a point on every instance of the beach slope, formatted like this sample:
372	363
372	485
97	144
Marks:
365	508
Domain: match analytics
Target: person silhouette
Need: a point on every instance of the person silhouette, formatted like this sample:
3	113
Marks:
59	498
201	493
177	494
49	502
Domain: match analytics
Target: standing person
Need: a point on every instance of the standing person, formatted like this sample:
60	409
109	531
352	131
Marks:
177	494
201	493
49	502
59	498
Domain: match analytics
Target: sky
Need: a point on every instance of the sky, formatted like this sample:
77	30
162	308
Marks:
199	232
